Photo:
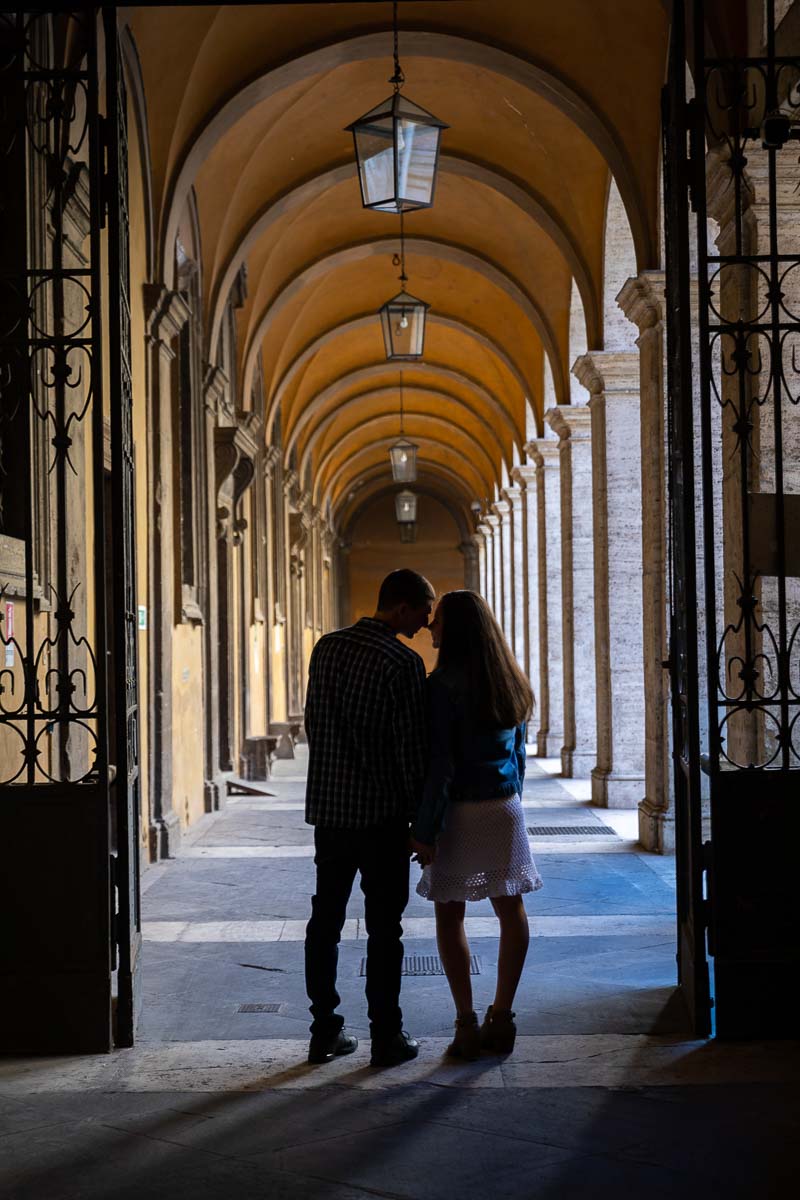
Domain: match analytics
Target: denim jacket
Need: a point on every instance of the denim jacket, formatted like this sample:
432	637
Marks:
467	762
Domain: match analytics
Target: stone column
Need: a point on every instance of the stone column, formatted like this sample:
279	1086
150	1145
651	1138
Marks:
469	551
612	380
494	564
550	708
517	604
528	523
642	301
572	423
480	542
502	510
167	312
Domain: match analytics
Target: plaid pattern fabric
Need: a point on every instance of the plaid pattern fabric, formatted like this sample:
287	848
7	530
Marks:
366	728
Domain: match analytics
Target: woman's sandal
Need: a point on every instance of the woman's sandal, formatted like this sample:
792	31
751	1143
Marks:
498	1032
467	1041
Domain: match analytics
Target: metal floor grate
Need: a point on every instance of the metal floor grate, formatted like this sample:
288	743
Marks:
562	830
259	1008
427	964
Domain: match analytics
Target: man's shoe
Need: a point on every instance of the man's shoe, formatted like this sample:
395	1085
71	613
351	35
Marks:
324	1049
389	1052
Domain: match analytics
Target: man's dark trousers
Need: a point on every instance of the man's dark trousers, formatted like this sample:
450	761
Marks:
381	855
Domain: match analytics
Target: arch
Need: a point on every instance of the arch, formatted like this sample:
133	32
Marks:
135	82
392	390
365	321
416	43
434	421
377	473
383	444
364	374
422	489
512	189
435	248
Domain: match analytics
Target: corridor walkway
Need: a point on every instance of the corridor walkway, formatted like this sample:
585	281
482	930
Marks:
605	1093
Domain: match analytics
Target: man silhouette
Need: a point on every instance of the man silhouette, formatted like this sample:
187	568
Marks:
366	730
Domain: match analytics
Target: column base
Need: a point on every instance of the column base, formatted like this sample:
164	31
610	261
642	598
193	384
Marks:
548	745
164	837
215	793
656	827
577	764
611	789
257	755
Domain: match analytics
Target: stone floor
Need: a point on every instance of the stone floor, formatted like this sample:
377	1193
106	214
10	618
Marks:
606	1092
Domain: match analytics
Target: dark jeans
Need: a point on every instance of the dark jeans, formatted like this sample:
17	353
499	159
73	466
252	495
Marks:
381	855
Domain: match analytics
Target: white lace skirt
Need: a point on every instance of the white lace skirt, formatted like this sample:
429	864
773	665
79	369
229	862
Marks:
482	851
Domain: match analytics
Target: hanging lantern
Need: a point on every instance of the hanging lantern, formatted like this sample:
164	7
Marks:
408	531
403	324
403	453
403	317
397	150
403	456
405	507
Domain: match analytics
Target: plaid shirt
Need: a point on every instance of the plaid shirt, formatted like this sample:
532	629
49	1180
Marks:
366	728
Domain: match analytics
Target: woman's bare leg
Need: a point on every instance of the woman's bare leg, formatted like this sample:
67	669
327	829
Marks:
454	952
514	937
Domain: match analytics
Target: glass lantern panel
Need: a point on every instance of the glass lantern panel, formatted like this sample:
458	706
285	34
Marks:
403	321
403	456
375	154
408	532
417	153
405	506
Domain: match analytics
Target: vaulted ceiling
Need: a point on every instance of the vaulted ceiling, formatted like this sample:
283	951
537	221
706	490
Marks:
247	106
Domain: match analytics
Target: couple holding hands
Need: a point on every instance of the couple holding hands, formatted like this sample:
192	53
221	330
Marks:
435	766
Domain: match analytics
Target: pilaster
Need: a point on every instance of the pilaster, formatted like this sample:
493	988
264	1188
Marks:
612	380
572	424
167	312
642	301
517	575
526	478
504	594
494	596
550	709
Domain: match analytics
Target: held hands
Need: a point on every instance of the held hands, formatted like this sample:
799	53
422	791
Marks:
423	853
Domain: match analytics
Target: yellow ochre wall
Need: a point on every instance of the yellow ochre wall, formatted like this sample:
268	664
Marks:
377	550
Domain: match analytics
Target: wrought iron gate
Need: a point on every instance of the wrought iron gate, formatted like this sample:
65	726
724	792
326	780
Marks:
69	773
692	962
734	386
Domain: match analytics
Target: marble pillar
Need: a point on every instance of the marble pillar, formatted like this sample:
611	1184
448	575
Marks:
572	423
612	379
502	510
469	552
642	301
479	538
487	558
517	602
495	559
549	717
525	477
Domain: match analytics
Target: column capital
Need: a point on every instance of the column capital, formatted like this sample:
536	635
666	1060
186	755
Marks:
501	508
544	452
513	495
572	421
492	521
166	313
608	371
642	299
525	475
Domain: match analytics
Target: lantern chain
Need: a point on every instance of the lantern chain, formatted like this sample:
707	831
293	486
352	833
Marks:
398	79
402	430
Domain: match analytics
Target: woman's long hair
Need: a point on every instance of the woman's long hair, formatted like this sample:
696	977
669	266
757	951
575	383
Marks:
472	644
